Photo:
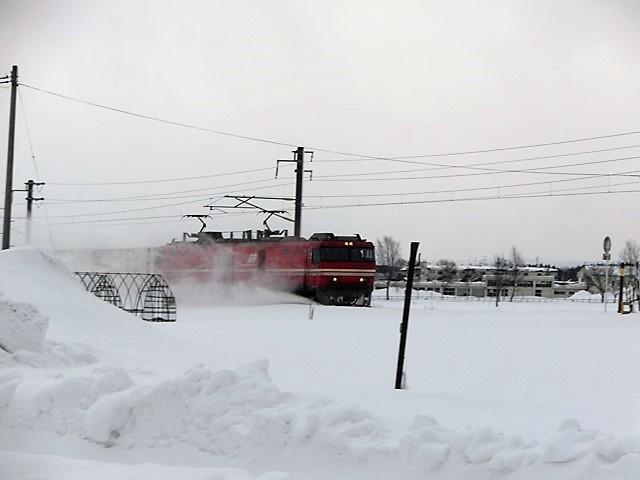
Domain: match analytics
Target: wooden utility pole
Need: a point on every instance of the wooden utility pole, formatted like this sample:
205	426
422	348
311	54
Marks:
8	189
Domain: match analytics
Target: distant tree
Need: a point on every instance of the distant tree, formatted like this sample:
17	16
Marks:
598	278
448	270
516	262
501	266
630	256
630	253
389	259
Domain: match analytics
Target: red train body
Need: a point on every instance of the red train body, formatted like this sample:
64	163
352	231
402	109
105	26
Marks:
333	270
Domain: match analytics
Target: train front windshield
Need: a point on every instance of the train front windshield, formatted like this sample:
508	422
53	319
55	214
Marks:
342	254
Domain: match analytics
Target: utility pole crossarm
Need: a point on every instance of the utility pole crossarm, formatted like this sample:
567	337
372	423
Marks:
298	159
30	199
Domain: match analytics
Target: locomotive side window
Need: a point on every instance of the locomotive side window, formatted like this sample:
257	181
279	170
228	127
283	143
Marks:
334	254
363	254
342	254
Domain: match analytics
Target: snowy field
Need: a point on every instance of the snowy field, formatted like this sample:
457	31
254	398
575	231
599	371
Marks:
250	385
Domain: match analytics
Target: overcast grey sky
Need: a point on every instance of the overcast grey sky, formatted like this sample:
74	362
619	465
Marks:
376	80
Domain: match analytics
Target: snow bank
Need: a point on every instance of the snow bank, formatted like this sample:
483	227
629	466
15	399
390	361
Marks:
583	295
242	414
22	327
77	320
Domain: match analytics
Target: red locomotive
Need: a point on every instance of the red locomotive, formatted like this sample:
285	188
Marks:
330	269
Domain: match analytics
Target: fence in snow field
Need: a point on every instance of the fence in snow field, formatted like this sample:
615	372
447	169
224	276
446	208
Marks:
146	295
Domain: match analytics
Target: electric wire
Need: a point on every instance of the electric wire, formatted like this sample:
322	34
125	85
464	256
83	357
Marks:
493	162
484	171
160	120
519	147
156	207
452	200
434	166
360	205
403	159
472	189
324	150
141	182
130	221
154	196
35	163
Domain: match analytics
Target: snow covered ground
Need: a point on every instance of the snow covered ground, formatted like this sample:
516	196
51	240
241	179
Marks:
251	385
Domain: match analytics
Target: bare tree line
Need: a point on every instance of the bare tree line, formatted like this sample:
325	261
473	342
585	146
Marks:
509	269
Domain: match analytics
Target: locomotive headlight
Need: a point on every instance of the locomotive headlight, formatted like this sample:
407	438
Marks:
335	279
361	279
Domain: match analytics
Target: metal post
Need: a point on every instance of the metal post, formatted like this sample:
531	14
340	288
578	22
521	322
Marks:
620	302
606	284
404	326
299	178
8	189
606	256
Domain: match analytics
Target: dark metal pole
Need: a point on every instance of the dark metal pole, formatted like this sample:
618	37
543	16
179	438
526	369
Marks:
620	303
404	326
8	189
299	178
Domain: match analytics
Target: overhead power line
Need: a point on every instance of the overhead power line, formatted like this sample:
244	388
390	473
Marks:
438	166
140	182
469	199
202	198
161	120
406	159
492	162
485	171
136	221
35	165
169	195
519	147
549	183
156	196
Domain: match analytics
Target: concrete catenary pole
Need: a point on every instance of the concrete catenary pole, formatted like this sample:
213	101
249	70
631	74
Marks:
8	189
299	179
